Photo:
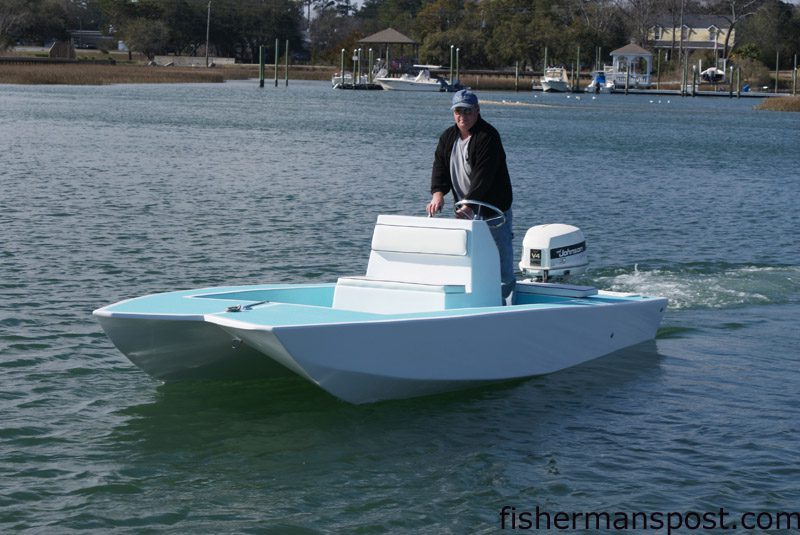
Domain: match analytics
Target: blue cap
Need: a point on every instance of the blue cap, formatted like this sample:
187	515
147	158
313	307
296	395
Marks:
464	99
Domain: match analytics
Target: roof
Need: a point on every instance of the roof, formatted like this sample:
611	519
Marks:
691	45
695	21
388	36
631	49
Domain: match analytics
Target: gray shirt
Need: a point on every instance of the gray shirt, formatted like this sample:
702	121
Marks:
460	168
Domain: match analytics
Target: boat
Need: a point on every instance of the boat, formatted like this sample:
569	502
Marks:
555	80
713	75
422	80
427	317
599	84
339	81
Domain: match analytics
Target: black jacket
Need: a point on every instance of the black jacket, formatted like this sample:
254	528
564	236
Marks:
489	180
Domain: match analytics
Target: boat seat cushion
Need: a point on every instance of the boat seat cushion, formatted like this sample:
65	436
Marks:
368	282
405	239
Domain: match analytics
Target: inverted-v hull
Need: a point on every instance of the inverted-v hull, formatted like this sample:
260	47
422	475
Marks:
360	357
375	360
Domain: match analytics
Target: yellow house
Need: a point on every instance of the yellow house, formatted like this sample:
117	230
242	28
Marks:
698	32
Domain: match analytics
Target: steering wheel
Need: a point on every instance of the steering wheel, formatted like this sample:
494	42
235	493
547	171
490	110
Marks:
500	215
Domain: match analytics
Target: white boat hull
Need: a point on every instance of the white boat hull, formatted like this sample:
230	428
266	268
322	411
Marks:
555	86
398	84
179	349
377	360
361	357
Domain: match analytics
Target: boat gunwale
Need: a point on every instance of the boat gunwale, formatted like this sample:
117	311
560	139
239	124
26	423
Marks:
603	298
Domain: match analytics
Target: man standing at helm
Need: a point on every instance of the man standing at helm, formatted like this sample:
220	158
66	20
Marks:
470	161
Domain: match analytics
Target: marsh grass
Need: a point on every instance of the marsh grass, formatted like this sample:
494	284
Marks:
86	73
780	104
90	74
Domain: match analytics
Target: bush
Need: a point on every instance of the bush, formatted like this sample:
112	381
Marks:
754	72
780	104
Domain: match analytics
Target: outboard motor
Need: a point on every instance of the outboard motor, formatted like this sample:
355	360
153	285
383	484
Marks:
553	251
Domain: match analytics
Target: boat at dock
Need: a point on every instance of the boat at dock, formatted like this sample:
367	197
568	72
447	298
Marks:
421	80
348	81
427	317
713	75
599	83
555	80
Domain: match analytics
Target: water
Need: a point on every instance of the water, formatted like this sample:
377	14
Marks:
112	192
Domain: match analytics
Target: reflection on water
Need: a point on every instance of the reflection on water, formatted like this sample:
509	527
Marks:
113	192
275	412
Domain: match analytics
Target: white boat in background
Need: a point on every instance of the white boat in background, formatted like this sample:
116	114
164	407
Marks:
338	81
421	81
713	75
427	317
555	80
599	83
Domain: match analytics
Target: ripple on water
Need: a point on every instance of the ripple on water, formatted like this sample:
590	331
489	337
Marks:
142	191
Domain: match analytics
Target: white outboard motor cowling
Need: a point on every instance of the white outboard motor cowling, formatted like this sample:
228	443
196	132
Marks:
553	251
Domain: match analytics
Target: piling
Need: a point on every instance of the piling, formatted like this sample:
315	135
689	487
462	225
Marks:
794	76
730	83
516	76
358	80
572	77
738	82
627	79
777	62
341	67
261	54
544	65
208	29
577	83
452	50
458	55
694	80
286	58
276	62
369	66
685	80
658	71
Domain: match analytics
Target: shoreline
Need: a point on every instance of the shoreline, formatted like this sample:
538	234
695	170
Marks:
102	72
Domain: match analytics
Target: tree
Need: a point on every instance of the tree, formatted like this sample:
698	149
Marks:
774	28
640	16
146	36
242	26
14	15
333	29
737	11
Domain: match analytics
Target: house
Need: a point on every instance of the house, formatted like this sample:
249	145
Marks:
698	32
92	39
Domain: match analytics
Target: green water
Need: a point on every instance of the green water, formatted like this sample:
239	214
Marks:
112	192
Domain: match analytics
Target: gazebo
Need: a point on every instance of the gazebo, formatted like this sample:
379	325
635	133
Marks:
384	38
627	60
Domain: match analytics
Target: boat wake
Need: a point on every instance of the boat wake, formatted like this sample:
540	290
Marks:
707	285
